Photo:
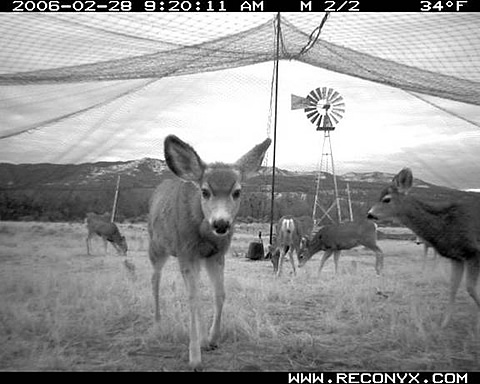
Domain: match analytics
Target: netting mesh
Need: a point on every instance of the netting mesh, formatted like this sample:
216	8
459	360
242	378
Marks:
80	75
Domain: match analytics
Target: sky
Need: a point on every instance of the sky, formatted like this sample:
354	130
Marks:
224	113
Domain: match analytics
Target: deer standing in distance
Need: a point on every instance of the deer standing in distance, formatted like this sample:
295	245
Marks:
426	246
100	225
334	238
291	235
450	227
191	217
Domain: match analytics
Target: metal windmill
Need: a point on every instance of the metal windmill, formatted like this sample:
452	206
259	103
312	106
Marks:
324	107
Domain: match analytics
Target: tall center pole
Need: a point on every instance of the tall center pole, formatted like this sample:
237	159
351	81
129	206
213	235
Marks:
277	55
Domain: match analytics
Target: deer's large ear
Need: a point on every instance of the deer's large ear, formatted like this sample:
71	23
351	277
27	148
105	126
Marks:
182	159
250	163
403	181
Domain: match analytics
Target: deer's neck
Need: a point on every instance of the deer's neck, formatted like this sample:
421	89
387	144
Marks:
422	217
445	226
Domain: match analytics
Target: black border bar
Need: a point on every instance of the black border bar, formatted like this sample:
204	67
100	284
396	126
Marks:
252	6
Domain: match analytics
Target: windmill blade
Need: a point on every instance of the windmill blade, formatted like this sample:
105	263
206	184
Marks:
312	114
335	117
338	112
336	99
313	97
321	93
329	93
339	105
335	95
335	114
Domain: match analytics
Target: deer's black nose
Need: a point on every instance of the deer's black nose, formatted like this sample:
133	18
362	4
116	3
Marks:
371	217
221	226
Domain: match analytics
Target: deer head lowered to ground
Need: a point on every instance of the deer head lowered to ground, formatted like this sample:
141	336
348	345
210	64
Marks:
191	217
451	227
334	238
100	225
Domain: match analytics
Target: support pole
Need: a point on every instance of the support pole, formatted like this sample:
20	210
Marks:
114	209
277	55
349	202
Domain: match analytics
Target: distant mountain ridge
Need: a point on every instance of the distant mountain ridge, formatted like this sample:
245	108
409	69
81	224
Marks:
65	192
146	170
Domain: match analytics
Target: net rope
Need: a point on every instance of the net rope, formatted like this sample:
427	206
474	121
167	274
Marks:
46	58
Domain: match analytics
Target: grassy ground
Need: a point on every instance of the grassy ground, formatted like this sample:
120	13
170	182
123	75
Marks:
63	310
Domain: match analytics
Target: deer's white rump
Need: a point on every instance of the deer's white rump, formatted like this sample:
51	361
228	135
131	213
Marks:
291	235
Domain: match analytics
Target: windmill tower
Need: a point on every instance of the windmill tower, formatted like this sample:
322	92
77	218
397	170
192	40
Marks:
324	107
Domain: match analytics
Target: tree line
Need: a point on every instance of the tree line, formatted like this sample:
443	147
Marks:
133	205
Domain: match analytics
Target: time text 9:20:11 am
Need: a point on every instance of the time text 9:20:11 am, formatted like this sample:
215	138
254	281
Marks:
184	6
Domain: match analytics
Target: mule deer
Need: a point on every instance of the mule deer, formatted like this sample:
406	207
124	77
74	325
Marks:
291	234
334	238
100	225
449	227
191	217
426	246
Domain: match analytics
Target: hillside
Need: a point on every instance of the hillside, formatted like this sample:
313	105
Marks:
53	192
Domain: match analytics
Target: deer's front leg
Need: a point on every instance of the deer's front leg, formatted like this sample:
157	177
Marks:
215	269
191	272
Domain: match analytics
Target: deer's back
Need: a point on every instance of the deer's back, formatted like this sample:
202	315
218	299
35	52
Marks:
107	230
349	235
100	225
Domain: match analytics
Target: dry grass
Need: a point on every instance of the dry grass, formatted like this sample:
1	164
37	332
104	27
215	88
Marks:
63	310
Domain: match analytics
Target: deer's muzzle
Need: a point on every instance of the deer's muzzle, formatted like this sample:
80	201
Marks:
221	227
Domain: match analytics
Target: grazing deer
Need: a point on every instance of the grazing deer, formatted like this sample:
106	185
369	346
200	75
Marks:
449	227
101	226
191	217
291	234
426	245
334	238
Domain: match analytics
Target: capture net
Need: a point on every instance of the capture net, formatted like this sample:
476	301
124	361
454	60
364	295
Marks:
83	85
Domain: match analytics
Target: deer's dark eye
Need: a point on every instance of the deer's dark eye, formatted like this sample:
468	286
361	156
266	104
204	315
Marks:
206	193
236	194
386	199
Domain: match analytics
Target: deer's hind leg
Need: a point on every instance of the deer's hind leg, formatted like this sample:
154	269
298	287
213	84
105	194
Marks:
283	252
325	257
292	260
88	241
336	258
457	273
473	270
378	259
158	257
105	243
